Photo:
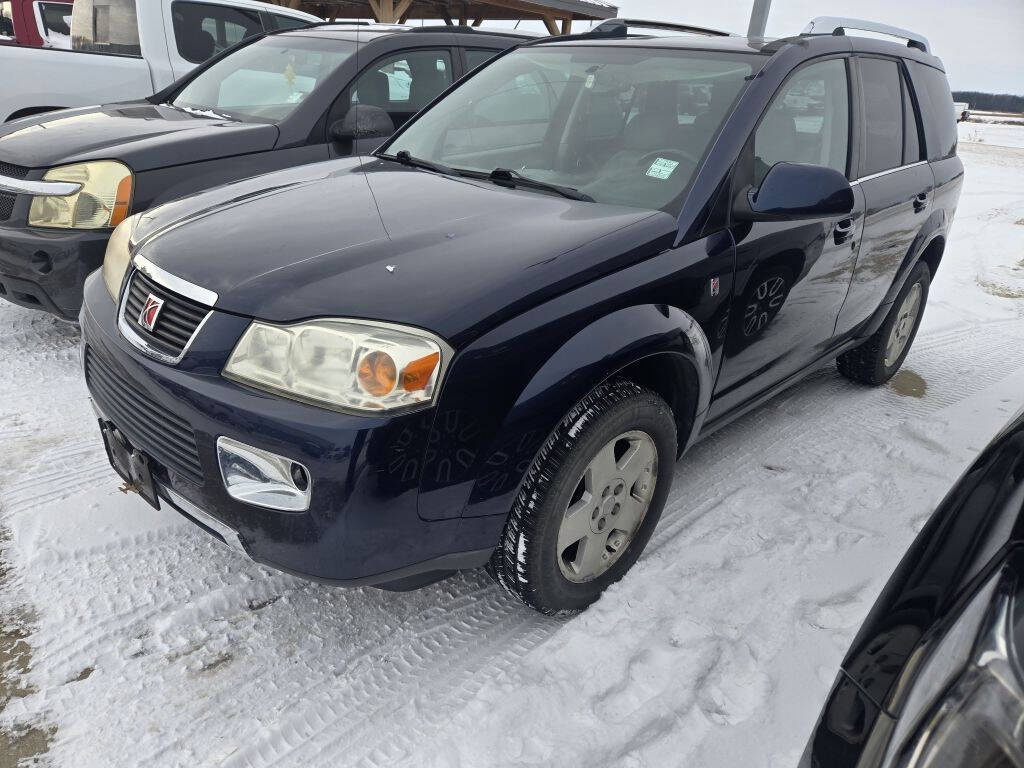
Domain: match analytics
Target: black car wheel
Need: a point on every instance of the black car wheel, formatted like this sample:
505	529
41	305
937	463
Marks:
590	501
881	355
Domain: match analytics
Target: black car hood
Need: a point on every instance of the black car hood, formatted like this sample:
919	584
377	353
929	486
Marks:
369	238
140	134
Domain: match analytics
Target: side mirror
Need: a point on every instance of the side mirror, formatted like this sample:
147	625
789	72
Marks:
363	122
796	191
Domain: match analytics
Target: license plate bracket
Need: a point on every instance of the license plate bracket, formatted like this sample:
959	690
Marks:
130	463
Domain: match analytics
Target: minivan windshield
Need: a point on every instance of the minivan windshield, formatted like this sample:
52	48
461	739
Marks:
266	80
626	126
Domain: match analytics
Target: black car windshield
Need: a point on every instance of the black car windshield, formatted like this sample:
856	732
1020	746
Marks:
627	126
266	80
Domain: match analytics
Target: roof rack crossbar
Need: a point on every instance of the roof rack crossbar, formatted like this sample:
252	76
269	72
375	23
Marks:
621	27
837	25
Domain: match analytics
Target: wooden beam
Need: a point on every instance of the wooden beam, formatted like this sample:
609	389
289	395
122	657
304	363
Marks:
478	21
447	19
551	24
401	10
566	26
375	9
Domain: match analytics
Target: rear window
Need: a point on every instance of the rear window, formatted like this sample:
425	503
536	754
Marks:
105	26
936	103
56	22
203	30
883	115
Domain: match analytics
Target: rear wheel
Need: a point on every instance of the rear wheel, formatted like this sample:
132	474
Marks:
881	355
590	501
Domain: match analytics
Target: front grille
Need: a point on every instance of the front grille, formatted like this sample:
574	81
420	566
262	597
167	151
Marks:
177	322
13	171
6	205
158	432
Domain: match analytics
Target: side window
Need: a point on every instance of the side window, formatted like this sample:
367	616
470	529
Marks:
55	19
6	20
403	83
477	56
883	115
202	31
911	128
936	103
808	121
277	21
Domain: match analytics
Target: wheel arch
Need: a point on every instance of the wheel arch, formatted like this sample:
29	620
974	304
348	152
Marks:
660	347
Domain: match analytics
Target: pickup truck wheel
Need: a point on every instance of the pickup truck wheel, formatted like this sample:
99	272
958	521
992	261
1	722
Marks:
881	355
590	501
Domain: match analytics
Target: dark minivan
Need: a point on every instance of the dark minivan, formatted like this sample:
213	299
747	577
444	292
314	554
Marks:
272	102
490	341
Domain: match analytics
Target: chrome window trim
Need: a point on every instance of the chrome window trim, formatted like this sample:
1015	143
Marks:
47	188
139	342
174	283
886	172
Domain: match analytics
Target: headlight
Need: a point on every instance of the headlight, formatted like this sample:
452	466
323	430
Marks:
103	201
118	255
346	365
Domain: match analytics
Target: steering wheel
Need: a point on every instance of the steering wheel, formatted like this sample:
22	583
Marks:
667	154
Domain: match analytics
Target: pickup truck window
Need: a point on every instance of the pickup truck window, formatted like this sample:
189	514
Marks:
106	26
203	30
55	23
266	80
6	20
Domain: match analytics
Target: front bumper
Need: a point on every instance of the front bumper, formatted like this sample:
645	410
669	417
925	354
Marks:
45	268
362	525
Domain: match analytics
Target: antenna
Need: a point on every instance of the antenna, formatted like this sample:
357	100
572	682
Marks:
759	18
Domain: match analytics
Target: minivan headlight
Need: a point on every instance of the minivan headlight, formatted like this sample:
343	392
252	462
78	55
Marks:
346	365
119	255
103	201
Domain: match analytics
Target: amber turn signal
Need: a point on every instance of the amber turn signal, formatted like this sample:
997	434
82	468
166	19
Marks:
416	375
122	201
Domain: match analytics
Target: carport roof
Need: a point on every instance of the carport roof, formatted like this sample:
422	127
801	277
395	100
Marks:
557	15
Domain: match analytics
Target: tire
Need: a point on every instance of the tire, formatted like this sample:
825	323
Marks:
871	362
619	422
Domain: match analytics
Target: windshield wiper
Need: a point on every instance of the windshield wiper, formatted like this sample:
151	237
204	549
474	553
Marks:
508	177
403	157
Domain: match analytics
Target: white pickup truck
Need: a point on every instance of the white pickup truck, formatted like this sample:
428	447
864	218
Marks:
129	49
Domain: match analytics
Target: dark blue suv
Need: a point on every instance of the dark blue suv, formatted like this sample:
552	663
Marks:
489	341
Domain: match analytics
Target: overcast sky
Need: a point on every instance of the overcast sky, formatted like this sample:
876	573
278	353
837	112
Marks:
980	42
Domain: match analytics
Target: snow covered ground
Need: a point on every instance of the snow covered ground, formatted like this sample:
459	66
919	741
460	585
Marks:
128	637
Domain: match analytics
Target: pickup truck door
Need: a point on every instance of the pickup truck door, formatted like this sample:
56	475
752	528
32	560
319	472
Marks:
196	31
792	277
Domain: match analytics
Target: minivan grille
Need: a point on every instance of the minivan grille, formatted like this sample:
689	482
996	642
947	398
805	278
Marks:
177	322
155	430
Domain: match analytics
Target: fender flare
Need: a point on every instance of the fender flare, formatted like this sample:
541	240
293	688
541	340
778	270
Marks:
594	354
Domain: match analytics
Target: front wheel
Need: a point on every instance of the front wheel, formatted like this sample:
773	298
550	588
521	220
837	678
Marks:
590	501
877	359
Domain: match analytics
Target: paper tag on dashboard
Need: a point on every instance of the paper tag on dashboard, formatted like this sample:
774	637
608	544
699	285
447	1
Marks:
662	168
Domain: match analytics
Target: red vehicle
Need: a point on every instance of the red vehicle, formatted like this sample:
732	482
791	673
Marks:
36	23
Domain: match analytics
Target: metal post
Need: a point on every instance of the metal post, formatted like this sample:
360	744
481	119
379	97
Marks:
759	18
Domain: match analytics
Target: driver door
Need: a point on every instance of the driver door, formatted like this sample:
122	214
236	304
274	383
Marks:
792	277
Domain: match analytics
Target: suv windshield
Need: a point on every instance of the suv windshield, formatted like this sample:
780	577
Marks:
626	126
264	81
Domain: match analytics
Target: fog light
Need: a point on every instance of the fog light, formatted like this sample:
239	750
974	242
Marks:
262	478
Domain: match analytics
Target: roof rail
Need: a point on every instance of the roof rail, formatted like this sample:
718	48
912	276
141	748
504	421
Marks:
476	30
837	25
621	27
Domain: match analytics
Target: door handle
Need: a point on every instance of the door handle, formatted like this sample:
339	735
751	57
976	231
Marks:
921	202
843	231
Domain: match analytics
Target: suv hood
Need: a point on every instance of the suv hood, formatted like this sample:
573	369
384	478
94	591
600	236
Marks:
369	238
142	135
